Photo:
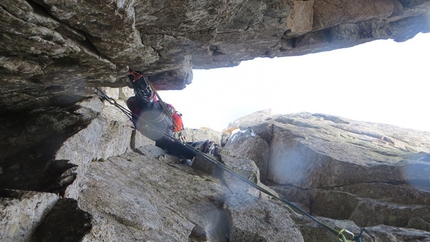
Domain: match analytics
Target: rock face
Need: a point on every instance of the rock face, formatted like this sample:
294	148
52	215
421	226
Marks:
50	44
369	173
60	145
348	174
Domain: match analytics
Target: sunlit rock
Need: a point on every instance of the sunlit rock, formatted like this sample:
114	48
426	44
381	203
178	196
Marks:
58	140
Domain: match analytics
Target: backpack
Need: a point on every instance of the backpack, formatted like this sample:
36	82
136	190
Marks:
177	118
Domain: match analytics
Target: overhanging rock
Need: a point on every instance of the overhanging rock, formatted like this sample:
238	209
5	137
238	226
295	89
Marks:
80	44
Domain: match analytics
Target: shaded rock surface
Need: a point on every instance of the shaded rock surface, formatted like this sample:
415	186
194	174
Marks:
65	222
57	47
346	173
80	133
54	133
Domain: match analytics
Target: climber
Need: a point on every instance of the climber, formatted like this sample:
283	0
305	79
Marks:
156	122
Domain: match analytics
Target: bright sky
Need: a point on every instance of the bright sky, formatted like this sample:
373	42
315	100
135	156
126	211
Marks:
381	81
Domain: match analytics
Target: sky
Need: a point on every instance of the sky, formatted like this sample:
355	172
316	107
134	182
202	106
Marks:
381	81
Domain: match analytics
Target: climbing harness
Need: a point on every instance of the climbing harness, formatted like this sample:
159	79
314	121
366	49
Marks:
340	234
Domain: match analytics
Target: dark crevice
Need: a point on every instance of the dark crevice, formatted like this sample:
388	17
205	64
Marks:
55	88
294	42
157	51
88	44
198	234
4	9
5	193
60	174
42	9
217	221
215	50
35	80
65	222
39	9
36	171
31	140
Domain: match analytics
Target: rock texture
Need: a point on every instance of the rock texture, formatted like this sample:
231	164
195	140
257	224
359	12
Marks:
51	44
131	202
22	211
348	174
42	158
333	167
60	145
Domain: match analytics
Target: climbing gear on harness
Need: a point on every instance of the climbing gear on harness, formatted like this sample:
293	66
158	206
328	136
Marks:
340	234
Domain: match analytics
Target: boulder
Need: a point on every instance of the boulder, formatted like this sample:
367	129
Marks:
142	197
338	168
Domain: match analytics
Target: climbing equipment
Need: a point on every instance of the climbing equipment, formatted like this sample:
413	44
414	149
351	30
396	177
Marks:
112	101
148	126
172	114
340	234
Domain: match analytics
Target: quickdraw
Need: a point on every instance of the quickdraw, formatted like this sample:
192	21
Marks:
112	101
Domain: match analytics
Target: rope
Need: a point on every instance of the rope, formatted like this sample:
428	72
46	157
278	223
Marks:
339	234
